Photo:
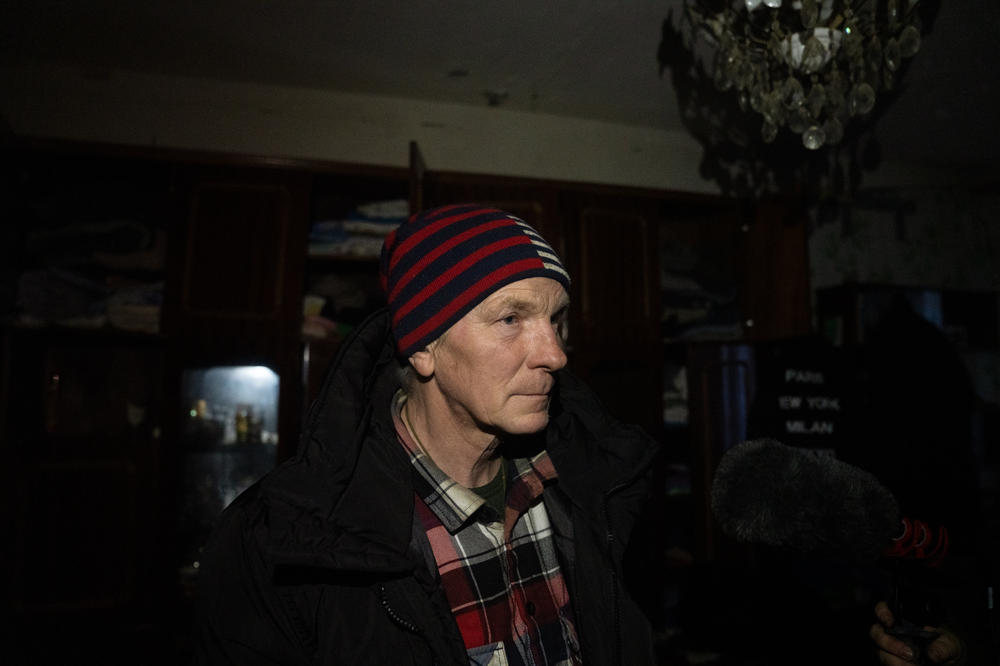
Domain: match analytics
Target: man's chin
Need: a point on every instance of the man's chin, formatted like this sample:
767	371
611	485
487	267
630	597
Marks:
528	424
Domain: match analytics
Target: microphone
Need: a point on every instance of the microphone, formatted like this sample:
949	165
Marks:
769	493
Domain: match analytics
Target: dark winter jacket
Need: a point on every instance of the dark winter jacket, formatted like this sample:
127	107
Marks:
319	562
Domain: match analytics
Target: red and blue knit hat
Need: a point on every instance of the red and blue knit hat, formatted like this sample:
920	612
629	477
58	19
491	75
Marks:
443	262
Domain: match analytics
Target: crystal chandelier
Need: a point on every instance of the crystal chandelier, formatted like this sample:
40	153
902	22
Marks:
806	65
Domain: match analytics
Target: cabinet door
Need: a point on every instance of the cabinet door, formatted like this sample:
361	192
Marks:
614	327
617	278
238	270
776	289
82	465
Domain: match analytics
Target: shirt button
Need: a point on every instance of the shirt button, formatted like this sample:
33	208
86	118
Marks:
530	607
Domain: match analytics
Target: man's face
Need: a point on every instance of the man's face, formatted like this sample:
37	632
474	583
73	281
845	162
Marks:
494	366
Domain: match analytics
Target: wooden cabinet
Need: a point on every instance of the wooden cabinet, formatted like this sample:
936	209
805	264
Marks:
82	388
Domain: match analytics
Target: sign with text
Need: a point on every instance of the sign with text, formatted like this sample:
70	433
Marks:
801	394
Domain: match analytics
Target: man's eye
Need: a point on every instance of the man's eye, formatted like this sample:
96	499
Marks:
509	320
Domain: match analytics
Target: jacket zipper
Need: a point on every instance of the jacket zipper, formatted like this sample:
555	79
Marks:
395	616
609	539
383	599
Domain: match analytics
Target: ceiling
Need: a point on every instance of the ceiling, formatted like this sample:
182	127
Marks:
585	58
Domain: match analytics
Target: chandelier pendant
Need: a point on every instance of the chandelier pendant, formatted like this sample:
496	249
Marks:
808	66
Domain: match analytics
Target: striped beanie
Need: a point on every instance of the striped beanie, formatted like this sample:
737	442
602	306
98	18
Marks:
443	262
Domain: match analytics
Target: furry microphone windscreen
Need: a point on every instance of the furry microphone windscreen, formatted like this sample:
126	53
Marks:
768	493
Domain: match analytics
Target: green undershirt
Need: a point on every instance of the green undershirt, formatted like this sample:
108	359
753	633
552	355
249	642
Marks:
494	493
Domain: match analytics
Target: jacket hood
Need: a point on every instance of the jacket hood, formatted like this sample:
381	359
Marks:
321	507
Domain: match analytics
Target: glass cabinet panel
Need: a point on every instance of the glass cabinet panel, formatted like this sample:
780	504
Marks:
229	437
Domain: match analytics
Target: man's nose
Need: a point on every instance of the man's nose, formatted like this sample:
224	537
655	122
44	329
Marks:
547	348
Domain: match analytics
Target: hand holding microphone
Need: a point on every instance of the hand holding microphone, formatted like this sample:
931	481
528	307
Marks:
946	648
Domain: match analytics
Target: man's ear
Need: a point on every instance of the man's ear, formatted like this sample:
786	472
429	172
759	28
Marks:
423	363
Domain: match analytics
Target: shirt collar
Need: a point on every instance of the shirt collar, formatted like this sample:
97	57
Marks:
454	504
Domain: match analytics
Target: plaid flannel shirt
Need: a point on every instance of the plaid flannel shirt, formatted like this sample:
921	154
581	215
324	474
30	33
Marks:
501	575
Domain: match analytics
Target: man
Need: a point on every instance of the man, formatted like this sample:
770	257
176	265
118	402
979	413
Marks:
458	497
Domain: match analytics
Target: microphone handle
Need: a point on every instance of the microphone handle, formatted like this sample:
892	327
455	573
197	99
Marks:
914	635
